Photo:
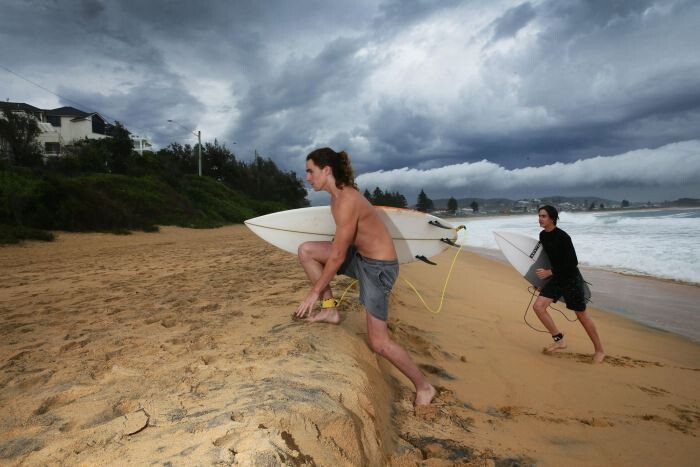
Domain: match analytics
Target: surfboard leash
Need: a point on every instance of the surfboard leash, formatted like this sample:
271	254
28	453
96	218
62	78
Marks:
447	279
531	290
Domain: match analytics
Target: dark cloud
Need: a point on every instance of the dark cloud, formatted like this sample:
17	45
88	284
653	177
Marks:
403	13
92	8
418	84
512	21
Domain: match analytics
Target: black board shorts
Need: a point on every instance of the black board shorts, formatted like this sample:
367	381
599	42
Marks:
376	278
571	289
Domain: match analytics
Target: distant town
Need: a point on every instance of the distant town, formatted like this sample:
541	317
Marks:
502	206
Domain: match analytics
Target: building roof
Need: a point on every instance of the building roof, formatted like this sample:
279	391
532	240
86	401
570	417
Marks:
67	112
19	106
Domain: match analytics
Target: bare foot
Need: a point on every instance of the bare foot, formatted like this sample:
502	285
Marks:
554	346
326	315
425	396
598	357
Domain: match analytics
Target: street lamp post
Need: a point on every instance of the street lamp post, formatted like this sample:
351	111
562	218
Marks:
199	152
198	134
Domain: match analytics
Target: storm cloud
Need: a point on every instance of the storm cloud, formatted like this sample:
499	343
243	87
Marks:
633	172
424	87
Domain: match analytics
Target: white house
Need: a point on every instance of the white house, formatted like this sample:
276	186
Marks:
141	144
61	126
74	125
47	134
67	125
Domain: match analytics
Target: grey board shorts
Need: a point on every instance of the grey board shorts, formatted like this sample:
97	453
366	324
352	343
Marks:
376	278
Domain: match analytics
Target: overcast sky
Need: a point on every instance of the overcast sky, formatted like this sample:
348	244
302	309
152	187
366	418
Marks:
459	98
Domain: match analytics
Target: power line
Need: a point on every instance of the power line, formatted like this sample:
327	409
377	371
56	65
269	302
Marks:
64	98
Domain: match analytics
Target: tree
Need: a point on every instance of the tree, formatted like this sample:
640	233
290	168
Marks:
386	198
602	206
20	131
378	197
475	206
121	149
591	207
452	205
625	203
424	203
397	200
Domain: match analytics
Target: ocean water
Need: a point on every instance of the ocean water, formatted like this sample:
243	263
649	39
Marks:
662	243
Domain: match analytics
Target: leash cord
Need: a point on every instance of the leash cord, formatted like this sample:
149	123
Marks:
532	291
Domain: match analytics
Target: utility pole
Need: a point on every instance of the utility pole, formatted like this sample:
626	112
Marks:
199	158
199	145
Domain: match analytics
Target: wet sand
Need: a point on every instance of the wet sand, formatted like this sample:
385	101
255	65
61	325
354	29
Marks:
178	348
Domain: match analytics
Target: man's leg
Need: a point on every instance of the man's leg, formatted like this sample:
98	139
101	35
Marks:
540	308
381	343
313	257
592	332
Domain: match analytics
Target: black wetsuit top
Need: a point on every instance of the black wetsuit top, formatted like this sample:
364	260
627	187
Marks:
558	246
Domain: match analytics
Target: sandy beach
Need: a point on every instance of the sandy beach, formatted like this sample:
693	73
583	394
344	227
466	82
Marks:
179	348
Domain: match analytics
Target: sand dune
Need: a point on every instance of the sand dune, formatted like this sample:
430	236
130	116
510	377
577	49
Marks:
179	348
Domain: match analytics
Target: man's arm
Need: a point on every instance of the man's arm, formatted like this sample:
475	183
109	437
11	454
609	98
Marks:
346	219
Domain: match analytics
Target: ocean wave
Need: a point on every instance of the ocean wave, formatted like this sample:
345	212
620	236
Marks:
662	244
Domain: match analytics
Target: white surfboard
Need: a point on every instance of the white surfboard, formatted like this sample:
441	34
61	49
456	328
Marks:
416	234
526	255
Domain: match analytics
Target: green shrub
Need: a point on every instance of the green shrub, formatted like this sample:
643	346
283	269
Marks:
16	233
120	203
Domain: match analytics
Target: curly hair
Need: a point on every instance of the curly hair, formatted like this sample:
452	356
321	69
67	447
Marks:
339	162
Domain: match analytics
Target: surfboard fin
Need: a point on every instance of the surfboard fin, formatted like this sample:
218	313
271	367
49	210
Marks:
438	224
448	241
425	260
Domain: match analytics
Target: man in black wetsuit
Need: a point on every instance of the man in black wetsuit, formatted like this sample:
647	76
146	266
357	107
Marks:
565	281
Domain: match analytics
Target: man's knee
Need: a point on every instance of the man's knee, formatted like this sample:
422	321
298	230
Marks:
305	251
379	346
539	307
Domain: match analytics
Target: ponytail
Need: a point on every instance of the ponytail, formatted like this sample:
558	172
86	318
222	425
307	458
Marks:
339	162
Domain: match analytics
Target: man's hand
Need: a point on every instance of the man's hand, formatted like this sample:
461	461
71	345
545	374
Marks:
544	273
308	304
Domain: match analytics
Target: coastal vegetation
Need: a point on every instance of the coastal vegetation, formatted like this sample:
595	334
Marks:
378	197
104	185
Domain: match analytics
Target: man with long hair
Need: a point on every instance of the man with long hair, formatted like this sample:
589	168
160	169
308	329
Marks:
565	280
362	248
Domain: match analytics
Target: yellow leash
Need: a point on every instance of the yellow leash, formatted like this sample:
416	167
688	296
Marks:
444	287
331	302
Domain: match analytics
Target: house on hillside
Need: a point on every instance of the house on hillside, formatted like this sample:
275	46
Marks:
66	125
49	139
74	124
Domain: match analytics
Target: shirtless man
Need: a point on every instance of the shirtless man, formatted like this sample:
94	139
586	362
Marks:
566	281
362	249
